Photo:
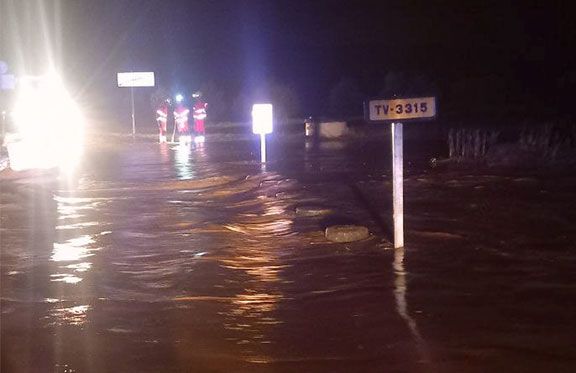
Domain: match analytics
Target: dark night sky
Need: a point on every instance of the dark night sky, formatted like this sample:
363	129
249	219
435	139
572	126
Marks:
308	45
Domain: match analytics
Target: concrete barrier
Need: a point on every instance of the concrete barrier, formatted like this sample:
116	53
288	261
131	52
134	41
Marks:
332	130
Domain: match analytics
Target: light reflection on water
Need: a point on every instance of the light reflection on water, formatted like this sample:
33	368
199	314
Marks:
73	249
74	208
75	315
251	314
67	278
184	169
78	248
400	294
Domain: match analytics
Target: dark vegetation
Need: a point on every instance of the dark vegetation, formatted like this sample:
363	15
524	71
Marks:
551	143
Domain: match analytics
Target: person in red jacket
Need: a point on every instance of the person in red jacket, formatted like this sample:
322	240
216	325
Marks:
162	119
181	113
199	116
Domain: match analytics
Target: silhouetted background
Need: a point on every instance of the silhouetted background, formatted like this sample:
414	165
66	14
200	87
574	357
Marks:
485	60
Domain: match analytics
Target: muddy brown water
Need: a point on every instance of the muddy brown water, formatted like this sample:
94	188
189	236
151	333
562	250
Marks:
166	259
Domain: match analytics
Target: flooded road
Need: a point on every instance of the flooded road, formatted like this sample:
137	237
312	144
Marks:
160	258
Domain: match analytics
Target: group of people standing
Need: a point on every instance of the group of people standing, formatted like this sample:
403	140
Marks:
181	124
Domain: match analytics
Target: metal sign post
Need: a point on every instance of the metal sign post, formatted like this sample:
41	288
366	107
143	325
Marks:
398	184
262	148
131	80
262	118
396	111
133	116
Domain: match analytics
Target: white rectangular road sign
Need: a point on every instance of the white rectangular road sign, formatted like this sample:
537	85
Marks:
402	109
136	79
262	118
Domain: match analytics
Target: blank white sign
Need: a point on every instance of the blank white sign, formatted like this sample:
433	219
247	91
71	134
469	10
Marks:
136	79
262	119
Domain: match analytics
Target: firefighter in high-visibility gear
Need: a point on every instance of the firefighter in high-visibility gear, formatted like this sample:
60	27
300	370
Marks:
199	115
181	113
162	119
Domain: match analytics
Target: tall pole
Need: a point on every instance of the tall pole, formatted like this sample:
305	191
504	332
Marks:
133	117
398	185
262	148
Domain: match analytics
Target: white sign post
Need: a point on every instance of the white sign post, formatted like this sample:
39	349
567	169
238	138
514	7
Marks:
397	111
262	118
132	80
133	116
398	184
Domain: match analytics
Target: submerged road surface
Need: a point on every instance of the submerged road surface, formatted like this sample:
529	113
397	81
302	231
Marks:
159	258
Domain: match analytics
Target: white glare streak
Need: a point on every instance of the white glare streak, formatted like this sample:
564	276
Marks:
182	163
69	279
73	249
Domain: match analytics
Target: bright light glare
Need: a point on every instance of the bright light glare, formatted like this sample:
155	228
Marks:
262	119
182	162
73	249
50	126
179	97
199	139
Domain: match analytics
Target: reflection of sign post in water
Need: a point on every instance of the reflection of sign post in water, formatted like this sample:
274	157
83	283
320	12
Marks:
262	118
132	80
396	111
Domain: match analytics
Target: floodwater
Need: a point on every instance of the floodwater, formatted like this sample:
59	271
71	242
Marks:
159	258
